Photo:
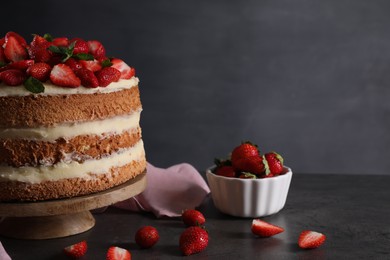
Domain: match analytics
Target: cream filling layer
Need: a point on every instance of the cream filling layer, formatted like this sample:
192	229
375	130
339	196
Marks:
73	169
51	89
116	124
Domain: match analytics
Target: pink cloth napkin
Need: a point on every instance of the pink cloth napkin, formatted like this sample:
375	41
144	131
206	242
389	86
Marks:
3	253
169	191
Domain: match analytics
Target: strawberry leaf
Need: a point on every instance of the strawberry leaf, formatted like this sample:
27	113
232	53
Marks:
33	85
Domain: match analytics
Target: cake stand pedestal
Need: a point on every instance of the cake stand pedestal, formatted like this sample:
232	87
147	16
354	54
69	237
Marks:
64	217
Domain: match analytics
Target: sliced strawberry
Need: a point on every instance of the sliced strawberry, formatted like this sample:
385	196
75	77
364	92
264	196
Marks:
21	65
80	46
311	239
62	75
14	50
88	78
92	65
73	64
12	77
61	41
38	50
265	229
107	75
126	71
40	71
118	253
76	250
226	171
96	49
18	37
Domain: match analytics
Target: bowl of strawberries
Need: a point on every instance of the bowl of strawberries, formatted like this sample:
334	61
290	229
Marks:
248	183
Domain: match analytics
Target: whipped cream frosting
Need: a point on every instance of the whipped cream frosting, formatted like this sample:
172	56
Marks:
117	124
73	169
51	89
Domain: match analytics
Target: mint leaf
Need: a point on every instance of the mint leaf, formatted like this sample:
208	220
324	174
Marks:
83	56
33	85
48	37
106	63
55	49
2	64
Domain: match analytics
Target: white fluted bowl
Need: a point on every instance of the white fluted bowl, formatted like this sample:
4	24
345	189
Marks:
249	197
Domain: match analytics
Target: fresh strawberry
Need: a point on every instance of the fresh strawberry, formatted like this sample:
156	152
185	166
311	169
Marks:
17	36
12	77
92	65
311	239
118	253
73	64
62	75
253	164
21	65
193	240
38	50
61	41
80	46
96	49
3	59
76	250
275	163
226	171
244	150
40	71
14	50
126	71
265	229
193	217
107	75
247	175
87	77
146	236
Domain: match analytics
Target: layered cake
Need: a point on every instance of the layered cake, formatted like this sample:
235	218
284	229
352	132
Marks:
69	119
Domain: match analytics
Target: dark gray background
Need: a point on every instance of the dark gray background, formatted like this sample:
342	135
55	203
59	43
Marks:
309	79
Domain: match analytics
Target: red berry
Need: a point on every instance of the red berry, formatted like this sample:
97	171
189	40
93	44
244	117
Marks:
254	164
244	150
80	46
226	171
193	217
14	50
17	36
38	49
265	229
310	239
40	71
73	64
96	49
21	65
76	250
107	75
88	78
193	240
61	41
62	75
13	77
126	71
118	253
92	65
275	163
146	237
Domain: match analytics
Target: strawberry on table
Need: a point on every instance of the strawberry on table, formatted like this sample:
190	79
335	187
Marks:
118	253
63	75
193	240
193	217
146	236
265	229
76	250
310	239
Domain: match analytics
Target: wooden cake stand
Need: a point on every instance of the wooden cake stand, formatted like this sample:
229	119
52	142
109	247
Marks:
64	217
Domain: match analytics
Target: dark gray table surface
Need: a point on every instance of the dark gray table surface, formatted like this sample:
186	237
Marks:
352	210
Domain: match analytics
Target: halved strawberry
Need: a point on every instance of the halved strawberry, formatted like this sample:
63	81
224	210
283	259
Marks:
63	75
38	50
80	46
12	77
96	49
14	50
118	253
127	72
40	71
265	229
73	64
310	239
92	65
61	41
17	36
88	78
21	65
107	75
76	250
